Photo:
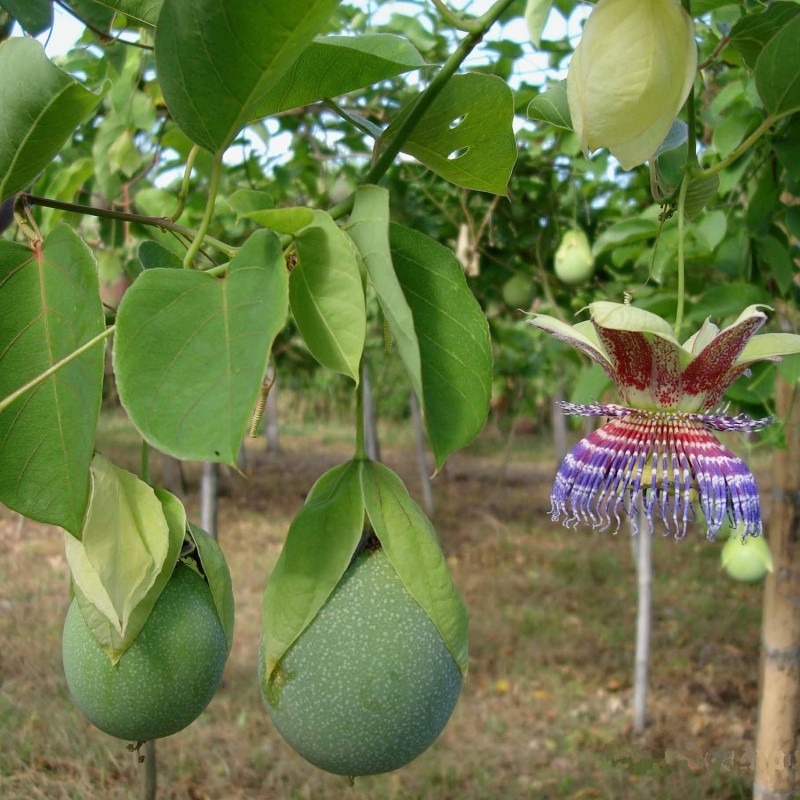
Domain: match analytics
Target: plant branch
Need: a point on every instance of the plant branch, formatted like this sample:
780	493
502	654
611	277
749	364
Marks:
105	36
457	21
208	214
681	257
424	102
107	213
741	149
183	192
715	52
32	384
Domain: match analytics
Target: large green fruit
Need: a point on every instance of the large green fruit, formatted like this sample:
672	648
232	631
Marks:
518	291
369	684
749	560
165	679
574	262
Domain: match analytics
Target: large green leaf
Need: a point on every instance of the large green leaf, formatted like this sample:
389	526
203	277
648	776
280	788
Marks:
93	598
41	106
552	106
215	568
144	11
191	351
51	306
410	544
334	65
369	229
753	31
453	340
778	70
466	136
33	15
625	232
317	551
327	296
217	60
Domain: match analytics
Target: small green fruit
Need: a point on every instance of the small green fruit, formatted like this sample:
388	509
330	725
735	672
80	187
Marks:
574	262
369	684
749	560
518	291
165	679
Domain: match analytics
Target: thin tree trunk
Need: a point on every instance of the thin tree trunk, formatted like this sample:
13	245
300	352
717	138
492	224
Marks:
271	418
422	458
779	706
371	443
150	772
644	622
209	498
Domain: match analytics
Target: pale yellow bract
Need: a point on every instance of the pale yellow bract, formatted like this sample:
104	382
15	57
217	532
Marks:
630	76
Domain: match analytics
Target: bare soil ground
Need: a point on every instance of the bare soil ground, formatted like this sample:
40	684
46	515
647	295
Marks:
546	709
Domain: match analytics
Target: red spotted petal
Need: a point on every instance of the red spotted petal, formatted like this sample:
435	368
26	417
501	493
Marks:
631	355
708	375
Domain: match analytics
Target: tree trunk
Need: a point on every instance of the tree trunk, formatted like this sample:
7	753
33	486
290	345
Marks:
271	419
209	498
371	443
644	622
422	459
172	478
778	717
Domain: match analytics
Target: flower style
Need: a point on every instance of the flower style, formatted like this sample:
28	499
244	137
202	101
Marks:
657	453
630	75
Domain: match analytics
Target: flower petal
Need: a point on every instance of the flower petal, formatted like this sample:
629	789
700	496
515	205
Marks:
708	375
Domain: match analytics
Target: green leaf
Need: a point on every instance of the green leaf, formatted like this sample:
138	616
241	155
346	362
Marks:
699	193
218	576
334	65
66	184
369	229
34	16
327	296
710	230
318	549
453	339
776	261
247	201
42	105
778	70
190	351
749	35
536	14
551	106
217	61
283	220
154	255
144	11
410	544
769	345
727	299
628	231
125	537
51	306
93	598
466	136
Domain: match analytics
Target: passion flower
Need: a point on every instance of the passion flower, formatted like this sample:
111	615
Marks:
630	76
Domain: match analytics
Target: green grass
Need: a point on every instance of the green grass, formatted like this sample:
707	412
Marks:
545	713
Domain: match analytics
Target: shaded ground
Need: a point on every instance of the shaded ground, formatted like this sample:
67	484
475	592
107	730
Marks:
545	713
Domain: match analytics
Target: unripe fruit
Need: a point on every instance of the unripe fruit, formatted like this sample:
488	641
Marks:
518	291
369	684
574	262
165	679
749	560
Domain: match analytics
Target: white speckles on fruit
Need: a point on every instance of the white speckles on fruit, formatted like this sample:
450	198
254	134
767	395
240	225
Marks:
167	676
369	684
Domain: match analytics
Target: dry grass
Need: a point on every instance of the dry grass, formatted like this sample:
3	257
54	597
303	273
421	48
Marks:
545	713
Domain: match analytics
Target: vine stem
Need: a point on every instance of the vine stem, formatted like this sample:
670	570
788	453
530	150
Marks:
107	213
424	101
32	384
681	256
450	17
741	149
183	192
208	214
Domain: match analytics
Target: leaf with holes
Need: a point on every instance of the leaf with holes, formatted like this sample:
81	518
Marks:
453	339
191	350
466	136
51	306
334	65
217	60
42	105
327	296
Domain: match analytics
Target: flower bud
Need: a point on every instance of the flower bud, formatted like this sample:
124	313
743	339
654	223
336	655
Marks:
630	76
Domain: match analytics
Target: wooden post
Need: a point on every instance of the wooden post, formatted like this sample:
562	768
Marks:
209	498
779	705
644	621
371	442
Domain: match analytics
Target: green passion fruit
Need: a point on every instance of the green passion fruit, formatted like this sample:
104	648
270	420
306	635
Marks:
519	291
574	262
749	560
369	684
165	679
